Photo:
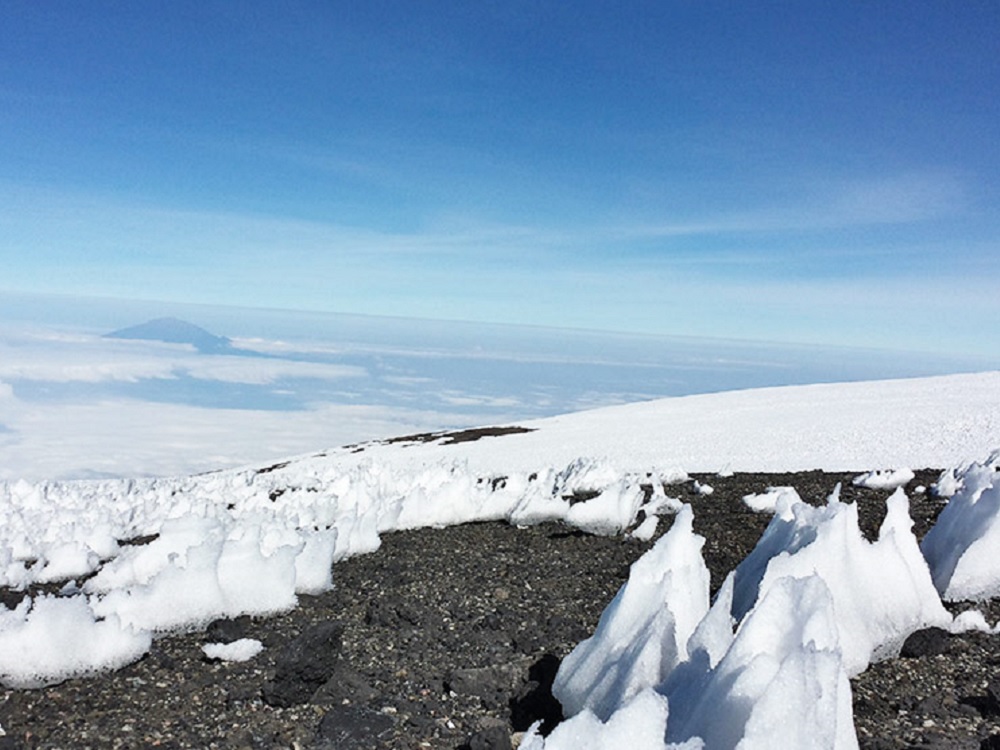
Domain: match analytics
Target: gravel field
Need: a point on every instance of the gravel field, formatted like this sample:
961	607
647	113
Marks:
449	638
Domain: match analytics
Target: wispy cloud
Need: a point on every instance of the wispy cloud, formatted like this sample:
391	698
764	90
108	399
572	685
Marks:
56	227
86	367
83	359
898	199
261	372
454	399
905	198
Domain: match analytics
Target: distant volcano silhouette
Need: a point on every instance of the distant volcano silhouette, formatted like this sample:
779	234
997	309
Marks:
175	331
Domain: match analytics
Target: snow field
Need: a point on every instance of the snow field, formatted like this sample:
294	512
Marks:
889	425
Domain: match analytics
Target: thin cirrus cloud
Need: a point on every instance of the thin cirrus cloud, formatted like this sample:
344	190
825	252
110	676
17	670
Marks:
191	238
908	198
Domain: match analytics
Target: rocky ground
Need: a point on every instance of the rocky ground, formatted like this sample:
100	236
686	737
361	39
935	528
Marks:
449	638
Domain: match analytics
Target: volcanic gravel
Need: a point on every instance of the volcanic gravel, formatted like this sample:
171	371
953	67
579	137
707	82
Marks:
449	638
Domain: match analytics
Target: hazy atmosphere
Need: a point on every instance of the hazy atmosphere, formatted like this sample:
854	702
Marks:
823	173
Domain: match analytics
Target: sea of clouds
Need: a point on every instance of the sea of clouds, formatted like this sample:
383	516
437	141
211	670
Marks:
76	404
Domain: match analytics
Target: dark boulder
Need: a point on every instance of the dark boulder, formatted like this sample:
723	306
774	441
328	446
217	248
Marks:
493	738
352	727
228	630
534	701
345	686
304	665
926	642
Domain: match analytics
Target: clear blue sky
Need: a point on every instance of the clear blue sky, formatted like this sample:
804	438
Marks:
824	172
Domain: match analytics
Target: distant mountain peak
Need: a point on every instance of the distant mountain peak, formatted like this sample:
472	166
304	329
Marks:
174	331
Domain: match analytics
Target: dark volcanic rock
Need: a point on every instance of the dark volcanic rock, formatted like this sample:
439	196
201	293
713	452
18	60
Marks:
993	694
348	727
494	686
345	686
927	642
484	682
535	701
228	630
304	665
392	614
494	738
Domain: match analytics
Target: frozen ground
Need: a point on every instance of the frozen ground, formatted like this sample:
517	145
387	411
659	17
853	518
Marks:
111	564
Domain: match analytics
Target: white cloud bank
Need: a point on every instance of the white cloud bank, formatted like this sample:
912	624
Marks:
129	438
93	359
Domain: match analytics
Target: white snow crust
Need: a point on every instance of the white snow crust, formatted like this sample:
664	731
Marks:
922	422
765	664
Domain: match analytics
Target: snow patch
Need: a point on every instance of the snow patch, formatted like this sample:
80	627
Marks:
884	480
243	649
776	500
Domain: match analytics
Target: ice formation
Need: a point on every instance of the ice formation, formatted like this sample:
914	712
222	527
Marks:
962	546
813	604
46	637
640	723
882	590
643	633
775	500
780	681
163	554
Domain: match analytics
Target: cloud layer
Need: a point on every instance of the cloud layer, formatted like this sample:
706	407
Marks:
73	403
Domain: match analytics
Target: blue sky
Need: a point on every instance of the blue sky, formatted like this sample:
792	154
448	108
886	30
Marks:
822	172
